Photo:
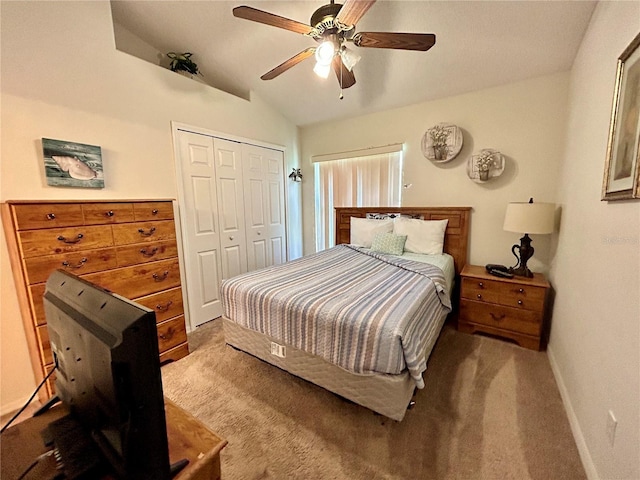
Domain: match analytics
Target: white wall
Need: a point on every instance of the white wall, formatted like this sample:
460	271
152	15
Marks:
595	347
525	121
62	78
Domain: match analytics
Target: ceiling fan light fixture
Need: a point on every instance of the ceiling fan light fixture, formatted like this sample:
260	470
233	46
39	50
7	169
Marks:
325	52
349	57
322	70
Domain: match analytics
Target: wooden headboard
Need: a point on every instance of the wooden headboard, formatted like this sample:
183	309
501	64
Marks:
456	237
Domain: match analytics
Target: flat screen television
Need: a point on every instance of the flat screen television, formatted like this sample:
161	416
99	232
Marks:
105	349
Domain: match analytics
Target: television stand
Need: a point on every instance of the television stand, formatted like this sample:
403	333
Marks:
47	405
188	439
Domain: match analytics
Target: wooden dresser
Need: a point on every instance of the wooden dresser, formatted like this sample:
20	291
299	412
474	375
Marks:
127	247
513	308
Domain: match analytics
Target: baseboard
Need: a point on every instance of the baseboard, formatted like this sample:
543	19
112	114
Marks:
583	450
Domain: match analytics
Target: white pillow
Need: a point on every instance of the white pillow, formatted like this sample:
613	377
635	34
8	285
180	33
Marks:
423	236
364	229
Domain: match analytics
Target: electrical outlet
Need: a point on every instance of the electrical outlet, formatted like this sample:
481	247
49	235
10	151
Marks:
612	423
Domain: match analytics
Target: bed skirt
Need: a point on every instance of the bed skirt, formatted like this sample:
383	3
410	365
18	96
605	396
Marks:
386	394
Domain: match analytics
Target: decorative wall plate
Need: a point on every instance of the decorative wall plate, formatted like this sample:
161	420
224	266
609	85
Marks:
485	165
442	143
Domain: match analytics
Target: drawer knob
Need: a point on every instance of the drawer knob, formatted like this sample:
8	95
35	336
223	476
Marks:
479	297
230	237
259	233
51	216
519	302
109	213
147	234
165	307
154	212
521	290
149	253
497	318
70	240
82	261
481	285
168	335
159	278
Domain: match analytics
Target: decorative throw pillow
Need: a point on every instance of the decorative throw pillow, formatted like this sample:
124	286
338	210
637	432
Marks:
363	230
423	236
388	243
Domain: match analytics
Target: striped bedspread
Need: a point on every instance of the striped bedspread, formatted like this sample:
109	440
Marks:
362	311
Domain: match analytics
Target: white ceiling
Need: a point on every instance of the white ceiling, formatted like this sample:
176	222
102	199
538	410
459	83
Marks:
479	44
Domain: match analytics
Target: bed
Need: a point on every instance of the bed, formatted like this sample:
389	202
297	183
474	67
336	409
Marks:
356	322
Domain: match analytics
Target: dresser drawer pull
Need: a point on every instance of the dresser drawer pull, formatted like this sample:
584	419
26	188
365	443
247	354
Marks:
146	253
479	297
109	213
497	318
66	264
154	211
519	302
165	307
147	234
481	285
159	278
51	216
167	336
71	240
521	290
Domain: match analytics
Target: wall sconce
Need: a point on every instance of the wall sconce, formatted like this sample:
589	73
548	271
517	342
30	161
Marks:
295	175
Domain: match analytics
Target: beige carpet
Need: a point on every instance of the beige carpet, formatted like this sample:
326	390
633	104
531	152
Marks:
490	410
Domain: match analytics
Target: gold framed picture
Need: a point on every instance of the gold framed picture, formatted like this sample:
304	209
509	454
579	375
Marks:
622	173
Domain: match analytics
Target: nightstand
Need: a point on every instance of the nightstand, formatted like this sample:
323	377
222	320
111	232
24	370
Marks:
512	308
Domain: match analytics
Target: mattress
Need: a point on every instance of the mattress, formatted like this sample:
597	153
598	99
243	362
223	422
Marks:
362	311
386	394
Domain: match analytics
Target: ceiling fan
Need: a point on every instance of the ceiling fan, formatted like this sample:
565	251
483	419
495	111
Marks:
333	25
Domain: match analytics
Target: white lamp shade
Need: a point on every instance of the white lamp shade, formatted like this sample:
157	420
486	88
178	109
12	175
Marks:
536	218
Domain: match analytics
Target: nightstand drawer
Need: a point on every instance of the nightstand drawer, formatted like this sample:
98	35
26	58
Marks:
515	295
498	316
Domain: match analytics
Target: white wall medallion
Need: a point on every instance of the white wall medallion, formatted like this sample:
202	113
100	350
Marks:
442	143
485	165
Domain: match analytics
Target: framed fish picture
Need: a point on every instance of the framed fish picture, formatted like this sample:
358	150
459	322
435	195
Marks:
69	164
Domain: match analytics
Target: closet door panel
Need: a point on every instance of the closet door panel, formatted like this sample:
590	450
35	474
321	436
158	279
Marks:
200	227
233	241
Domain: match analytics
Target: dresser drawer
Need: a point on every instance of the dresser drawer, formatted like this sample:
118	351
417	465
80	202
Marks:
171	333
48	215
166	304
139	280
89	261
45	346
146	252
176	353
105	213
64	240
143	232
498	316
515	295
144	211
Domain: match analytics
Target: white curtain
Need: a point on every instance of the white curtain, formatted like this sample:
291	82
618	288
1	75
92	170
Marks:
364	181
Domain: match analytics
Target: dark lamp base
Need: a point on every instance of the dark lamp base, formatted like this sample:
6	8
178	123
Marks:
526	252
521	271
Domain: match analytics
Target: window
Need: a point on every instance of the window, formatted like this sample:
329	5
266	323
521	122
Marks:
365	178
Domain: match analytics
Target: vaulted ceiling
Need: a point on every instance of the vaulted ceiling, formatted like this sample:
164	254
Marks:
479	44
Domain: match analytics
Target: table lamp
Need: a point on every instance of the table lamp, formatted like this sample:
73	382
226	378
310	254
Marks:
534	218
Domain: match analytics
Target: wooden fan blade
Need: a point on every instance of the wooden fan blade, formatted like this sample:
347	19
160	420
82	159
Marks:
353	10
401	41
287	64
260	16
345	78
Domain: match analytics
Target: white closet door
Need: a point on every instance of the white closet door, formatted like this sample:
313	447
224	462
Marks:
233	242
263	172
200	228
